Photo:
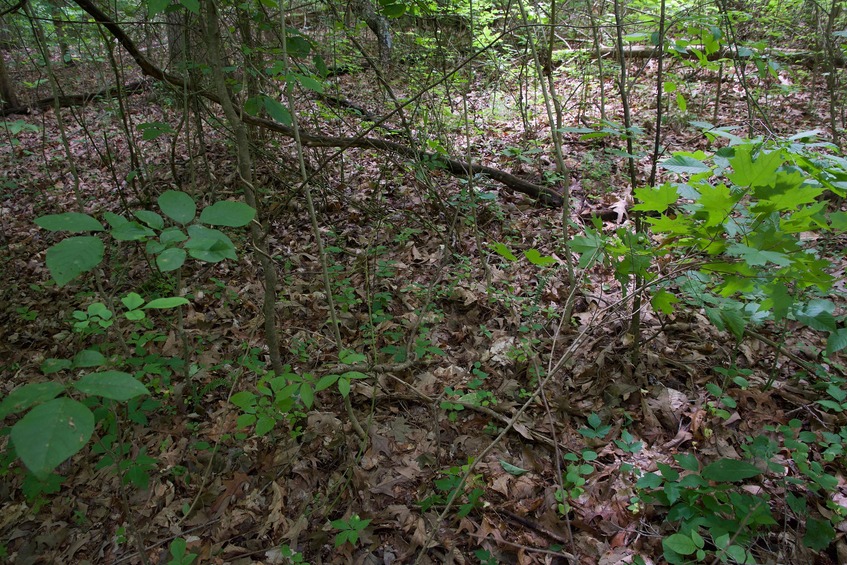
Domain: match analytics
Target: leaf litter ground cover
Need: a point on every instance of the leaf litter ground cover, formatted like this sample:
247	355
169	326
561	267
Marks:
613	461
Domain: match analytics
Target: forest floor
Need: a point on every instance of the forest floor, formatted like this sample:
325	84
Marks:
410	255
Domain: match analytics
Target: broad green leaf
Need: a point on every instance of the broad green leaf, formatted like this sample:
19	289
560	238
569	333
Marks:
51	433
663	301
680	543
326	381
264	423
344	387
74	256
52	365
115	385
169	302
309	82
687	461
29	395
729	471
837	341
819	534
152	219
170	259
656	199
350	357
73	222
132	301
717	202
152	130
155	7
307	395
512	469
227	213
534	257
735	321
277	111
114	220
192	6
209	245
685	164
245	400
503	251
88	358
757	257
172	235
747	172
132	231
178	206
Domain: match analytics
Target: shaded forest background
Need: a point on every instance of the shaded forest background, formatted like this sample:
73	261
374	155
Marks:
423	282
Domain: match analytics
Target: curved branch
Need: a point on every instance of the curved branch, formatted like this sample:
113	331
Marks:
456	167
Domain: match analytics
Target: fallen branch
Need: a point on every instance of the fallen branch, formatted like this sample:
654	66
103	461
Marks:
456	167
66	101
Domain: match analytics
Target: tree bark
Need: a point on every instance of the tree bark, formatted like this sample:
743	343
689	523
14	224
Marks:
8	97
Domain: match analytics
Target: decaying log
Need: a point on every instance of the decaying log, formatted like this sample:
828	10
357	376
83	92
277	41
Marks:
543	194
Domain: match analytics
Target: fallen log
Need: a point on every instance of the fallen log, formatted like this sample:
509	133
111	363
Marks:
456	167
68	100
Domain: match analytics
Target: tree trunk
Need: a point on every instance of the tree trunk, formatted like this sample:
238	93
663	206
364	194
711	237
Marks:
8	97
378	25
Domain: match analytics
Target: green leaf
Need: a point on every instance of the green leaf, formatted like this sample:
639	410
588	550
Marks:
307	395
656	199
747	172
73	222
264	424
537	259
29	395
192	6
172	235
76	255
164	303
837	341
309	82
88	358
114	220
52	365
152	219
178	206
680	543
717	202
115	385
209	245
155	7
511	469
663	301
326	381
152	130
245	400
277	111
344	387
729	471
757	257
51	433
819	534
228	213
170	259
131	231
685	164
132	301
687	461
503	251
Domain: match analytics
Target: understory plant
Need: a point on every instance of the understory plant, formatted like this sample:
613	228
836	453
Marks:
60	414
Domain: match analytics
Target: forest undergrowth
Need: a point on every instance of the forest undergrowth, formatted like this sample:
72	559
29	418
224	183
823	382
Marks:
511	414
